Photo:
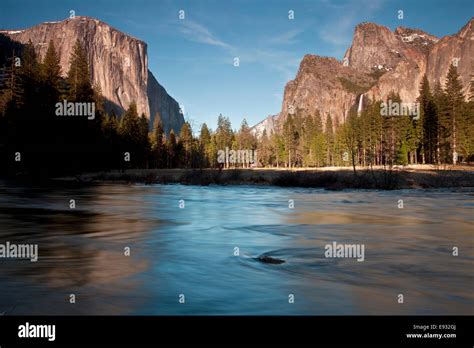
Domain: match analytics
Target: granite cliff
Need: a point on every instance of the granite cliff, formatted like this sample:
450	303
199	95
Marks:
379	61
118	63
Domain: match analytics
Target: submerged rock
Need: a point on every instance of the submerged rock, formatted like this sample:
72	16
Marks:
269	259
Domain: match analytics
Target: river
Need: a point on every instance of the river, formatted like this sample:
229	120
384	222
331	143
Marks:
203	251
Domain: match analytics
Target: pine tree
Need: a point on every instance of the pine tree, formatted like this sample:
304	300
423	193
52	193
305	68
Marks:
12	90
393	126
28	80
99	101
204	144
78	79
442	146
307	149
130	133
110	126
278	148
20	93
109	131
245	139
224	134
427	124
144	141
29	62
402	154
319	141
374	126
339	148
56	129
290	137
129	125
329	134
158	141
212	152
171	148
350	137
412	139
454	99
406	138
266	155
51	67
186	144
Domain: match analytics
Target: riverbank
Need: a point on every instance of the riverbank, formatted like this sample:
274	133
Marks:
419	176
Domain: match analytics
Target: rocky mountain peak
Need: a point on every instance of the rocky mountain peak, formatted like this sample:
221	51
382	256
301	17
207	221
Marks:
118	63
373	47
324	85
378	62
268	126
416	38
467	30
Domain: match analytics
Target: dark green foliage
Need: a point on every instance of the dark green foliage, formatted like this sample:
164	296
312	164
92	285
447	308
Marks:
158	143
52	145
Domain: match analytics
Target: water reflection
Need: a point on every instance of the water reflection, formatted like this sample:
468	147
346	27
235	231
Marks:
190	251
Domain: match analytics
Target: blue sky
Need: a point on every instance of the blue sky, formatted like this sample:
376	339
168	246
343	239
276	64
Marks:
193	58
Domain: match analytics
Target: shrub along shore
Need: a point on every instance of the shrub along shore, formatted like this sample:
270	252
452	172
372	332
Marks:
335	178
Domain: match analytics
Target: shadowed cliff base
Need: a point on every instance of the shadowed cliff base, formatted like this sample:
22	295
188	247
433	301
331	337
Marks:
334	178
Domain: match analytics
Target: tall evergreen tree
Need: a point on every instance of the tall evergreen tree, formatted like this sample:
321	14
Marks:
290	137
51	67
144	141
245	139
329	134
442	147
350	137
131	133
204	143
186	144
278	148
171	150
78	78
319	141
454	103
266	155
159	142
224	134
308	131
427	125
12	89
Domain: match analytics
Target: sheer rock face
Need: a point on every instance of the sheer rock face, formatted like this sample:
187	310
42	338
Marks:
118	63
399	57
422	53
459	47
168	108
325	85
378	62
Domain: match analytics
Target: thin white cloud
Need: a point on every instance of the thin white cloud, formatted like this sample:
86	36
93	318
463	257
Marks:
284	62
196	32
286	38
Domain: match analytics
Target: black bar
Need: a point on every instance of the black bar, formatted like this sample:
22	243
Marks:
192	330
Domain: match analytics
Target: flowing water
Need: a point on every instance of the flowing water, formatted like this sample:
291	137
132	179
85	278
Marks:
191	250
